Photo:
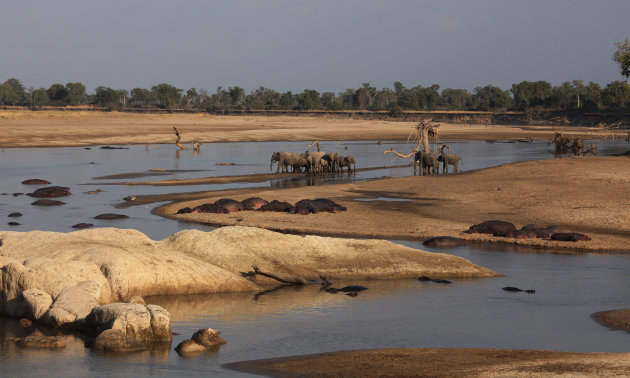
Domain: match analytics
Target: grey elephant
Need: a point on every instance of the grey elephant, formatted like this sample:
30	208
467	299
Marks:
417	161
301	165
346	161
331	159
284	160
314	160
450	159
430	163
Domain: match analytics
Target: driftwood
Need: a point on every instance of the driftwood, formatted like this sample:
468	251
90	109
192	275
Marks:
196	145
421	132
179	138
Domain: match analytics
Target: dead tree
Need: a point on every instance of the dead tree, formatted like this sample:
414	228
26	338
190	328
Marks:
562	142
592	150
315	143
179	138
421	133
577	146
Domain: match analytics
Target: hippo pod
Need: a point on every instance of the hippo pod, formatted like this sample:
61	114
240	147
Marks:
307	206
278	206
444	242
221	206
570	236
254	203
51	191
492	227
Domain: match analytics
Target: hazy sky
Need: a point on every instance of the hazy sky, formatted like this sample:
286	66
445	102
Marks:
326	45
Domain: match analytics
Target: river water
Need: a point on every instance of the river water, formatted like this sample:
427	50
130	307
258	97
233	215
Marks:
400	313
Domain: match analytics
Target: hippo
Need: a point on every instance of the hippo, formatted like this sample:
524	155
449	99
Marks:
36	182
111	216
82	225
501	228
47	202
17	194
347	289
14	224
524	234
530	227
51	192
516	289
278	206
221	206
315	206
253	203
15	215
185	210
444	242
436	280
570	236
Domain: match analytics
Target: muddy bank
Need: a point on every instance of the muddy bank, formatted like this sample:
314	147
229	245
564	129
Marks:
441	363
582	194
615	319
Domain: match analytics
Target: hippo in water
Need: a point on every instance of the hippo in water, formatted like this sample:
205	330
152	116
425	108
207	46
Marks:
111	216
495	227
51	191
570	236
444	242
47	202
253	203
36	182
516	290
278	206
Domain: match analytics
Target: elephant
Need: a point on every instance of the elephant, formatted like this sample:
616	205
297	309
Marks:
314	160
449	159
430	163
346	161
284	160
331	158
301	164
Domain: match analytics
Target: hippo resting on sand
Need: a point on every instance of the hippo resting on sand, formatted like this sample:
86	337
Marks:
444	242
495	227
570	236
307	206
278	206
254	203
222	206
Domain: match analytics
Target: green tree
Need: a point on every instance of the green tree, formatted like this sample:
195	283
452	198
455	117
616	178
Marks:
39	97
106	97
141	97
76	93
308	100
167	95
529	94
57	94
288	100
456	98
12	92
491	97
616	95
622	56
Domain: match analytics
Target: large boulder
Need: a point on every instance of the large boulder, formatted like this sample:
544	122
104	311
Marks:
142	323
36	303
73	304
114	340
204	340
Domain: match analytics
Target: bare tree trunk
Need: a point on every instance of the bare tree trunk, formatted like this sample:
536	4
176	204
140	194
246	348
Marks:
179	138
422	132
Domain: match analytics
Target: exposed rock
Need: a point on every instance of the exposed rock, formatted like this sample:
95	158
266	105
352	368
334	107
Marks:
136	299
115	340
49	342
142	323
208	337
190	347
36	303
47	202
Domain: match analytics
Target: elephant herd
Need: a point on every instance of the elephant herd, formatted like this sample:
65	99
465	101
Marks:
429	163
312	161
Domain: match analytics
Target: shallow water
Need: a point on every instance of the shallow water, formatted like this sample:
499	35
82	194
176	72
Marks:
401	313
397	313
76	166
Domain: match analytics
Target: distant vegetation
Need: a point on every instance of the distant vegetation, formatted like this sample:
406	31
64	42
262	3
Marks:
527	96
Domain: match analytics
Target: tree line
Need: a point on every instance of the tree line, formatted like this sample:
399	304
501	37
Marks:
523	96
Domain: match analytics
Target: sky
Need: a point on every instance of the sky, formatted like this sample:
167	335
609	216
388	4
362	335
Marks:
293	45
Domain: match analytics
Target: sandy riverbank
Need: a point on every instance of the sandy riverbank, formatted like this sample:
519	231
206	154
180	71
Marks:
55	128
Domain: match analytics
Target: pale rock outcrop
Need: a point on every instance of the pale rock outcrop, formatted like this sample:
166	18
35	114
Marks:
48	342
238	248
73	304
142	323
136	299
36	303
